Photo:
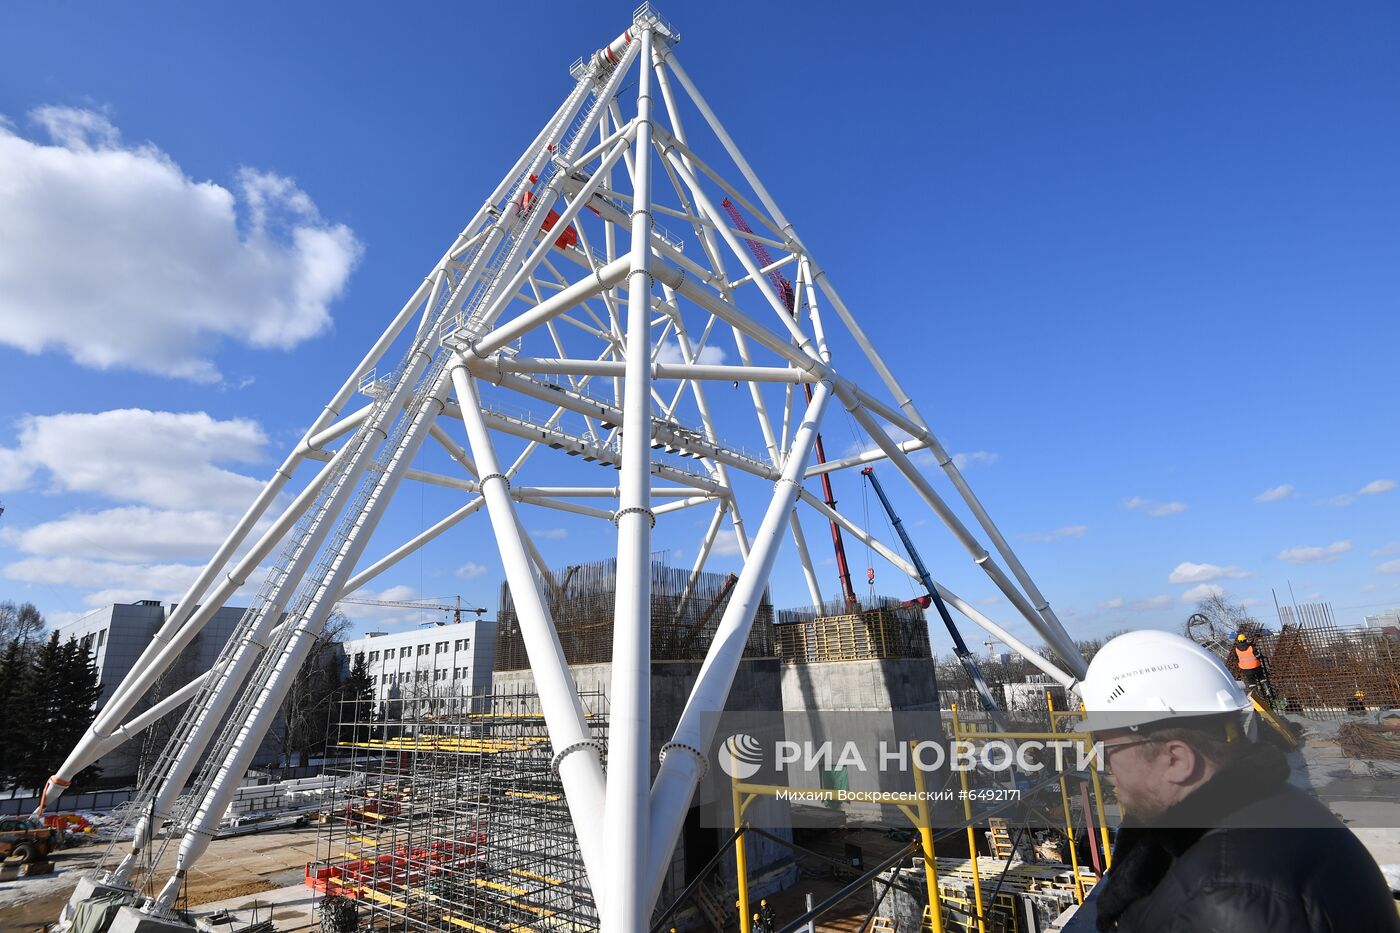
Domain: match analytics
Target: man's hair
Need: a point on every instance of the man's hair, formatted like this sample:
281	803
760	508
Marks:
1219	738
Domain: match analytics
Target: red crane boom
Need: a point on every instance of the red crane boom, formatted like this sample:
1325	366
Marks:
788	295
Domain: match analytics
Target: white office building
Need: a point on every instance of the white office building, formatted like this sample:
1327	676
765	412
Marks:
442	660
116	635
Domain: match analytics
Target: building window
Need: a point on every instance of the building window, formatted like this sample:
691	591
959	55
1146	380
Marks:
373	657
101	638
359	657
461	644
423	649
441	647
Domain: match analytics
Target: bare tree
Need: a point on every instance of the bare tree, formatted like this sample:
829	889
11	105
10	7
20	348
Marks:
20	622
309	710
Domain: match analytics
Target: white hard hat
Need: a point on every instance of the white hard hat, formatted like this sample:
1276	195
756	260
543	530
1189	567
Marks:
1148	676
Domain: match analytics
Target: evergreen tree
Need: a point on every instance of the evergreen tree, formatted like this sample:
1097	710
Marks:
14	668
54	704
36	714
357	703
77	705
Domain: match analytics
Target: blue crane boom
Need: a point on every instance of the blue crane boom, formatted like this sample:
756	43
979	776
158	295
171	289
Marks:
979	683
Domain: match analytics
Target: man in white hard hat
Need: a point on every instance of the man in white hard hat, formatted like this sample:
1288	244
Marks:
1213	836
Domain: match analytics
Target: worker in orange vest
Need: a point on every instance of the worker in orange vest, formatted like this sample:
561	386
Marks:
1251	665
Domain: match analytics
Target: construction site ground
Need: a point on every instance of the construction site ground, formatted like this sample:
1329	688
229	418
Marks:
243	873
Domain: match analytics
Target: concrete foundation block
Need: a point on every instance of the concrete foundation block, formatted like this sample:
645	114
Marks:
131	920
88	888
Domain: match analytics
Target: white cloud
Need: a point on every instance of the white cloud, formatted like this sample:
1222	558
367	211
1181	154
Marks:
1154	602
1276	493
1374	488
983	457
157	458
1153	508
1187	572
112	254
1368	587
551	534
726	543
990	600
1198	593
105	581
670	352
1386	550
1068	531
1315	555
1390	566
470	570
131	533
1115	603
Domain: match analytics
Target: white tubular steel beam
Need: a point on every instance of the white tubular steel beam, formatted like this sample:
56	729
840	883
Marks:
977	616
339	429
683	756
412	545
567	367
804	558
682	504
625	813
868	456
605	278
454	450
577	753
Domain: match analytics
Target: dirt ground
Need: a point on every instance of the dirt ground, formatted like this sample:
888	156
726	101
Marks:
236	868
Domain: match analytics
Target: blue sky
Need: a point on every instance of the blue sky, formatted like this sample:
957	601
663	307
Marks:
1143	258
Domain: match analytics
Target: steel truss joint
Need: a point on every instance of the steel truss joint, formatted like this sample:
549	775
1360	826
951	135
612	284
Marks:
617	516
481	483
563	753
689	749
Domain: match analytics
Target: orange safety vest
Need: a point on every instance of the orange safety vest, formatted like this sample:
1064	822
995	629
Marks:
1248	661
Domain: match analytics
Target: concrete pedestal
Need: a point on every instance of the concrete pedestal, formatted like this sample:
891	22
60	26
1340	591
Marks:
131	920
88	888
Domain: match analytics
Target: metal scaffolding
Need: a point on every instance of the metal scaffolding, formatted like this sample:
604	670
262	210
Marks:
453	818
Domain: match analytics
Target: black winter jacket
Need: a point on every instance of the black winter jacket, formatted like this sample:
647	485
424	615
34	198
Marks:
1245	853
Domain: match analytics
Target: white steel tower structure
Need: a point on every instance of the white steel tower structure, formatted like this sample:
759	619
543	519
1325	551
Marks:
579	328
